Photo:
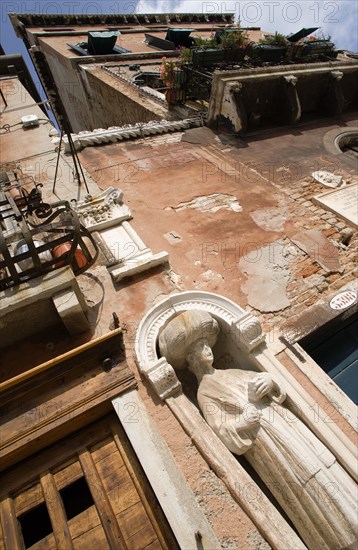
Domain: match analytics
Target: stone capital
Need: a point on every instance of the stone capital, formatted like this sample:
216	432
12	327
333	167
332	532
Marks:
337	75
163	378
291	79
249	333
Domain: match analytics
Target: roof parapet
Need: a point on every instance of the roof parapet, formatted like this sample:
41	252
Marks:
39	20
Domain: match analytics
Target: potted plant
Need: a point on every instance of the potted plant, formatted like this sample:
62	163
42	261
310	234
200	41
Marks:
206	52
317	44
174	78
234	43
272	48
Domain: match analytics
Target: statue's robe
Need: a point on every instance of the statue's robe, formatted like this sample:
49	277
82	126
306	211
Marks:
303	475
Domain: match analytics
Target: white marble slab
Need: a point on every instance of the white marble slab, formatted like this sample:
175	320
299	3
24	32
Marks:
343	202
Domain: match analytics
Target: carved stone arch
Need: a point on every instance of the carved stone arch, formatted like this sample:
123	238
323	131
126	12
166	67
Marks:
243	327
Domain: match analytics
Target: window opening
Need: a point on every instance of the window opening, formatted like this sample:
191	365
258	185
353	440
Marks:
76	498
334	347
35	525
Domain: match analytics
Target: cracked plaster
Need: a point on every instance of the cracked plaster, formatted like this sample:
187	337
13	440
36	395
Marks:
269	219
268	273
319	248
211	203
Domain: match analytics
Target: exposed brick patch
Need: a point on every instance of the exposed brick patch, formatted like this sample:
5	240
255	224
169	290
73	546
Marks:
311	270
333	277
343	280
329	232
309	283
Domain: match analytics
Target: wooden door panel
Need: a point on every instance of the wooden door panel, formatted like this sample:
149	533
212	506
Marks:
136	527
92	492
47	543
92	539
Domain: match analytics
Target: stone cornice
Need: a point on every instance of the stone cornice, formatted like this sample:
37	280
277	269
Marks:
116	133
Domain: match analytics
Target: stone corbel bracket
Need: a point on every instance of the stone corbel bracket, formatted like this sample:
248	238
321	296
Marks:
233	107
292	102
248	333
163	379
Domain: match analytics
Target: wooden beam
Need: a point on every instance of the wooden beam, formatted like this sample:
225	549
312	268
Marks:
48	364
108	519
10	525
56	512
18	476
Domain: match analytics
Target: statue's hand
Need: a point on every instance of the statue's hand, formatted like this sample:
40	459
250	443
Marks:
263	385
249	418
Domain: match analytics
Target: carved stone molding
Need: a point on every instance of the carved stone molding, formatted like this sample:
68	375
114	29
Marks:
164	379
118	133
222	309
249	333
123	251
104	210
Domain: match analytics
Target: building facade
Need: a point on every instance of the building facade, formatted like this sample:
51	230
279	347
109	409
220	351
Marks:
240	205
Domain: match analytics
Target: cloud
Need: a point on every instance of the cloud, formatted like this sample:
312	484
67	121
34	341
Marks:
336	18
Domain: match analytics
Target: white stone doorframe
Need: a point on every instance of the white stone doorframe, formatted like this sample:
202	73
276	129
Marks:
245	331
187	521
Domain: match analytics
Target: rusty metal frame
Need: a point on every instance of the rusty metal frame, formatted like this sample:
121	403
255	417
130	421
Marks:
61	225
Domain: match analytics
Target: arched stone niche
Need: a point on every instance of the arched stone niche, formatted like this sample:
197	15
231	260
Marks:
243	333
237	328
241	336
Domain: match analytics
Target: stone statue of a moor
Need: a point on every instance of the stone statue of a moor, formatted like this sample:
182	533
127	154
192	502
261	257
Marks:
245	410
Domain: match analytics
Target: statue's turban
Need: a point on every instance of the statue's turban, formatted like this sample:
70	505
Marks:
183	331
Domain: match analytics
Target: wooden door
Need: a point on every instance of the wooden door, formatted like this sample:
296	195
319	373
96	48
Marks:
86	491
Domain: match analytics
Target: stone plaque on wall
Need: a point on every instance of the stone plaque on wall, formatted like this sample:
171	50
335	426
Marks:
343	202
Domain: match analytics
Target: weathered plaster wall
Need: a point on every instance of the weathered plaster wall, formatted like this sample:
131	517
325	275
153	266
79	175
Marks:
171	179
94	99
127	106
70	88
162	178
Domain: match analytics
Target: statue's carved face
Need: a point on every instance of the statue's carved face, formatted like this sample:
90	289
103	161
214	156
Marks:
200	356
207	354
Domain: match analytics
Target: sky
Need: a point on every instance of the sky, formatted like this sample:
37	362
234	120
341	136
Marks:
338	18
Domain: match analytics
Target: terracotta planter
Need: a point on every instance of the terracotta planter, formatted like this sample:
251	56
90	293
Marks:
17	194
79	260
